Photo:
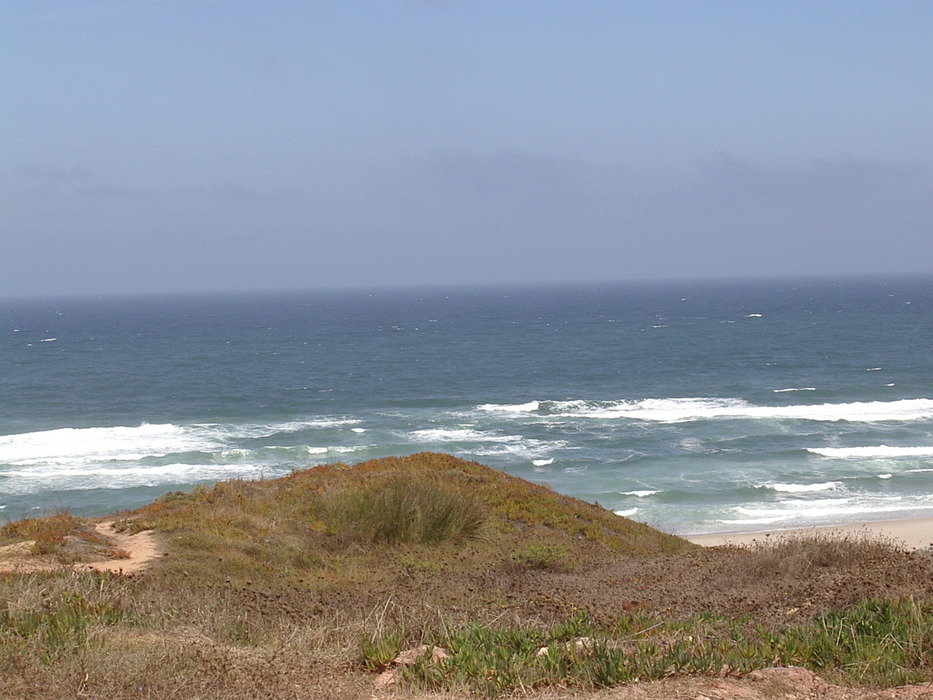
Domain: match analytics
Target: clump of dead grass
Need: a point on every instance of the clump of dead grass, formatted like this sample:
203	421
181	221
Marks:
51	533
796	555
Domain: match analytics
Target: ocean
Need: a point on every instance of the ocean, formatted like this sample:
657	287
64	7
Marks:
696	407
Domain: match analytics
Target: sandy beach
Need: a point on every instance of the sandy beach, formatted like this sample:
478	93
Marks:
912	533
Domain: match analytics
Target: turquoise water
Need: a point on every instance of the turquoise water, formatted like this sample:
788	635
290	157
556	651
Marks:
695	407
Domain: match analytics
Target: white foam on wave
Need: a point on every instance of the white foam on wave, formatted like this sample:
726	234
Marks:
802	388
657	410
529	407
89	446
627	513
835	510
85	445
102	477
259	430
639	494
460	435
489	444
678	410
542	462
525	448
873	452
804	488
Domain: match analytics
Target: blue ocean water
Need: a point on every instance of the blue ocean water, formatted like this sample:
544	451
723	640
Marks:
692	406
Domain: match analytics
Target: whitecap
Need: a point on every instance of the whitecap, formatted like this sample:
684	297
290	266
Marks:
681	410
102	477
803	388
459	435
118	443
753	316
804	488
542	462
639	494
885	476
691	444
358	430
836	509
523	448
529	407
627	513
48	340
873	452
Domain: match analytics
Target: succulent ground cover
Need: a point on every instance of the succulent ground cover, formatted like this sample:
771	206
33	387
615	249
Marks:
311	585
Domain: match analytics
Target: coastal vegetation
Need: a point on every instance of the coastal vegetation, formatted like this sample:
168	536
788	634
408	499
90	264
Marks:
314	584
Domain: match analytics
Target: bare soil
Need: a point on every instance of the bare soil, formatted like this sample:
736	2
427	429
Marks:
120	553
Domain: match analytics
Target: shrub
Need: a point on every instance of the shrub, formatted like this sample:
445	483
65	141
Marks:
404	509
47	532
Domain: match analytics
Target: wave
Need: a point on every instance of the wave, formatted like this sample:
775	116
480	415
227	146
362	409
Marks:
121	443
679	410
804	488
874	452
639	494
834	510
490	444
460	435
802	388
101	477
542	462
147	440
524	449
530	407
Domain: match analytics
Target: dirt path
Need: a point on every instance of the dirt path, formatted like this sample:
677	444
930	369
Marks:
140	550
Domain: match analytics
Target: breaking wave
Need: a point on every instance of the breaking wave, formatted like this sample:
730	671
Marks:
678	410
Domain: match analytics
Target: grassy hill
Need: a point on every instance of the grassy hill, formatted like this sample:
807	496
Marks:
307	585
426	512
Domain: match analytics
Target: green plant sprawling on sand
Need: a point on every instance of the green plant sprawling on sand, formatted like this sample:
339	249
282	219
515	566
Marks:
308	585
875	643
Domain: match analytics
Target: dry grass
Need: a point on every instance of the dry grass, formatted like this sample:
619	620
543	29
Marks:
283	589
798	555
50	534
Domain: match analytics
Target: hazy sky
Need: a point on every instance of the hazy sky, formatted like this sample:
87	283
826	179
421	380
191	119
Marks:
184	145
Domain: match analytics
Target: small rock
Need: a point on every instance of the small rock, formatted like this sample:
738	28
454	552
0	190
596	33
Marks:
385	678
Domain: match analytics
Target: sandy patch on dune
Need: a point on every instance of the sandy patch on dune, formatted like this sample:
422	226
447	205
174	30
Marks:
139	550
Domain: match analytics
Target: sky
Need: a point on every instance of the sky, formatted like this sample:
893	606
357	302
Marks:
152	146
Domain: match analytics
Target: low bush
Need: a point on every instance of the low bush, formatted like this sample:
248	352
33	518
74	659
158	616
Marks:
403	509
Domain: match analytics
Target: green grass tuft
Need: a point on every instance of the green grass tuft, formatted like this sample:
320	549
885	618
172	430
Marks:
402	509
